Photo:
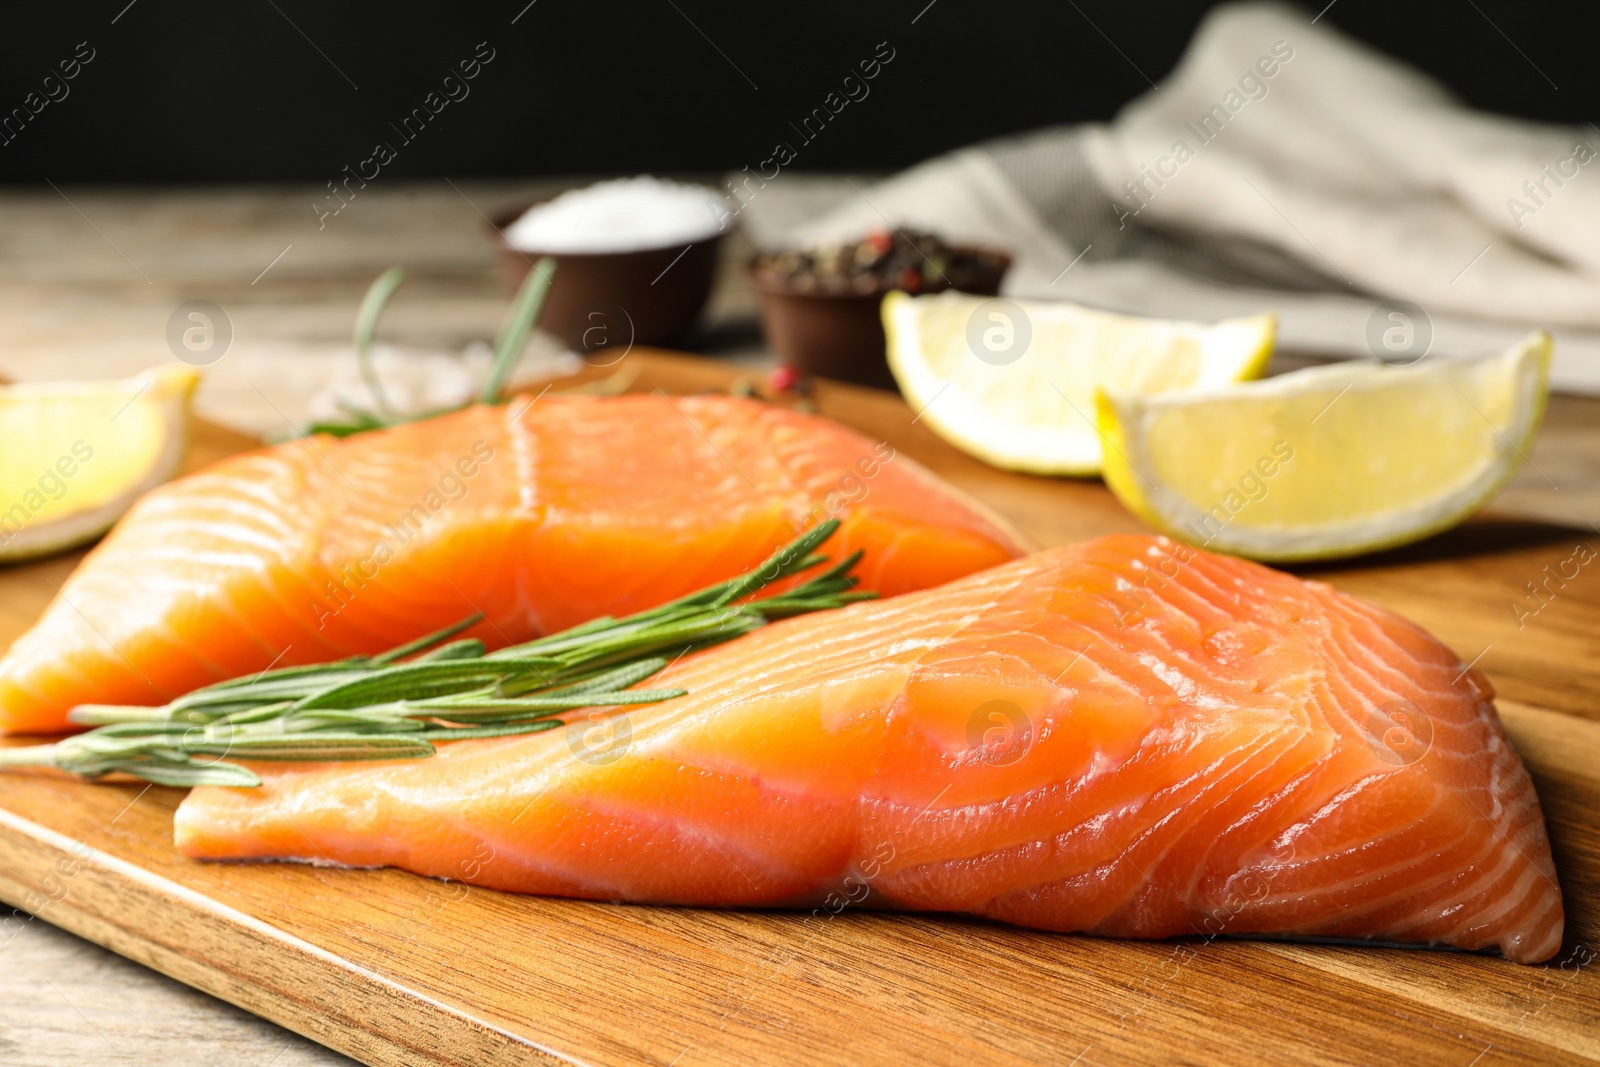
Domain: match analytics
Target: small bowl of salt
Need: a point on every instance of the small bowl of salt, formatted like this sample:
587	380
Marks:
635	259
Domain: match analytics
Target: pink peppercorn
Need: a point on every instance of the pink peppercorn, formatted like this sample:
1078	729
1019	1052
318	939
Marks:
784	377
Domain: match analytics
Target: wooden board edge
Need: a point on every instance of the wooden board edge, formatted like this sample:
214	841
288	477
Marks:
194	940
1553	742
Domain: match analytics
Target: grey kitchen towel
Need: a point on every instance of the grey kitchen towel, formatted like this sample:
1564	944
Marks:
1281	167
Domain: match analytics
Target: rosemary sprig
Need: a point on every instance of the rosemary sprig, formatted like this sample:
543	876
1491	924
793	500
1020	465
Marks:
508	345
437	688
378	294
519	323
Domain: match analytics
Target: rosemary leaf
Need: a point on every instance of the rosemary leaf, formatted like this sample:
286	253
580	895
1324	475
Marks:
187	774
469	648
468	733
519	323
611	678
426	641
378	294
418	681
319	746
532	707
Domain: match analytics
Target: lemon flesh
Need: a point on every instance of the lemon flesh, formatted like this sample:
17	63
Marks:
75	455
1327	462
1014	382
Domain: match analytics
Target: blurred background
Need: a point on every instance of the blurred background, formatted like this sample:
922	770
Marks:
290	91
154	154
157	153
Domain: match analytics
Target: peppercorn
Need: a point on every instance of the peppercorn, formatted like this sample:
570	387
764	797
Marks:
784	377
880	261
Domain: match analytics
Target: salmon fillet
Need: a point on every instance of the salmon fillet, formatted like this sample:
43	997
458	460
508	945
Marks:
1126	737
540	514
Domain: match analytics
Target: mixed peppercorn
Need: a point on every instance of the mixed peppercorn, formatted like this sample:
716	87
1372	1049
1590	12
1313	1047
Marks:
883	260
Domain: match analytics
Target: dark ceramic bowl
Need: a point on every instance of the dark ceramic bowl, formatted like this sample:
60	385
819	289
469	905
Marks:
612	300
840	334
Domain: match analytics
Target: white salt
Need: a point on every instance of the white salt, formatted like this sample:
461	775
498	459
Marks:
622	215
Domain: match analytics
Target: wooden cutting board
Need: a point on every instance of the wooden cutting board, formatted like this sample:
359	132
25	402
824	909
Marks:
396	969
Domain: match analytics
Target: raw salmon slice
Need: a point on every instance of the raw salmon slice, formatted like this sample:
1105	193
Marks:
1126	737
541	514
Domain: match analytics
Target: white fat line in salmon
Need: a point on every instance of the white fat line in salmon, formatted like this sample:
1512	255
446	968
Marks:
1156	578
452	487
1250	487
852	487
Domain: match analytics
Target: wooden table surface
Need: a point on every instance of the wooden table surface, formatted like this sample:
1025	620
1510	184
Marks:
86	286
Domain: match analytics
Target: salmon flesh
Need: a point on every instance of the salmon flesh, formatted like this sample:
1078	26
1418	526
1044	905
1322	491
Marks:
541	514
1125	737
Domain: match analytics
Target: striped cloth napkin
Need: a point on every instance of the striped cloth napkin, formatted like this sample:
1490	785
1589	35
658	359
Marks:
1282	167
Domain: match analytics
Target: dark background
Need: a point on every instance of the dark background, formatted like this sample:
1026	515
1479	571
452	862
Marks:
295	90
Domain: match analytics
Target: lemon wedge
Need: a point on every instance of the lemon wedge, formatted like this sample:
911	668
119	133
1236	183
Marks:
1014	382
1327	462
75	455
